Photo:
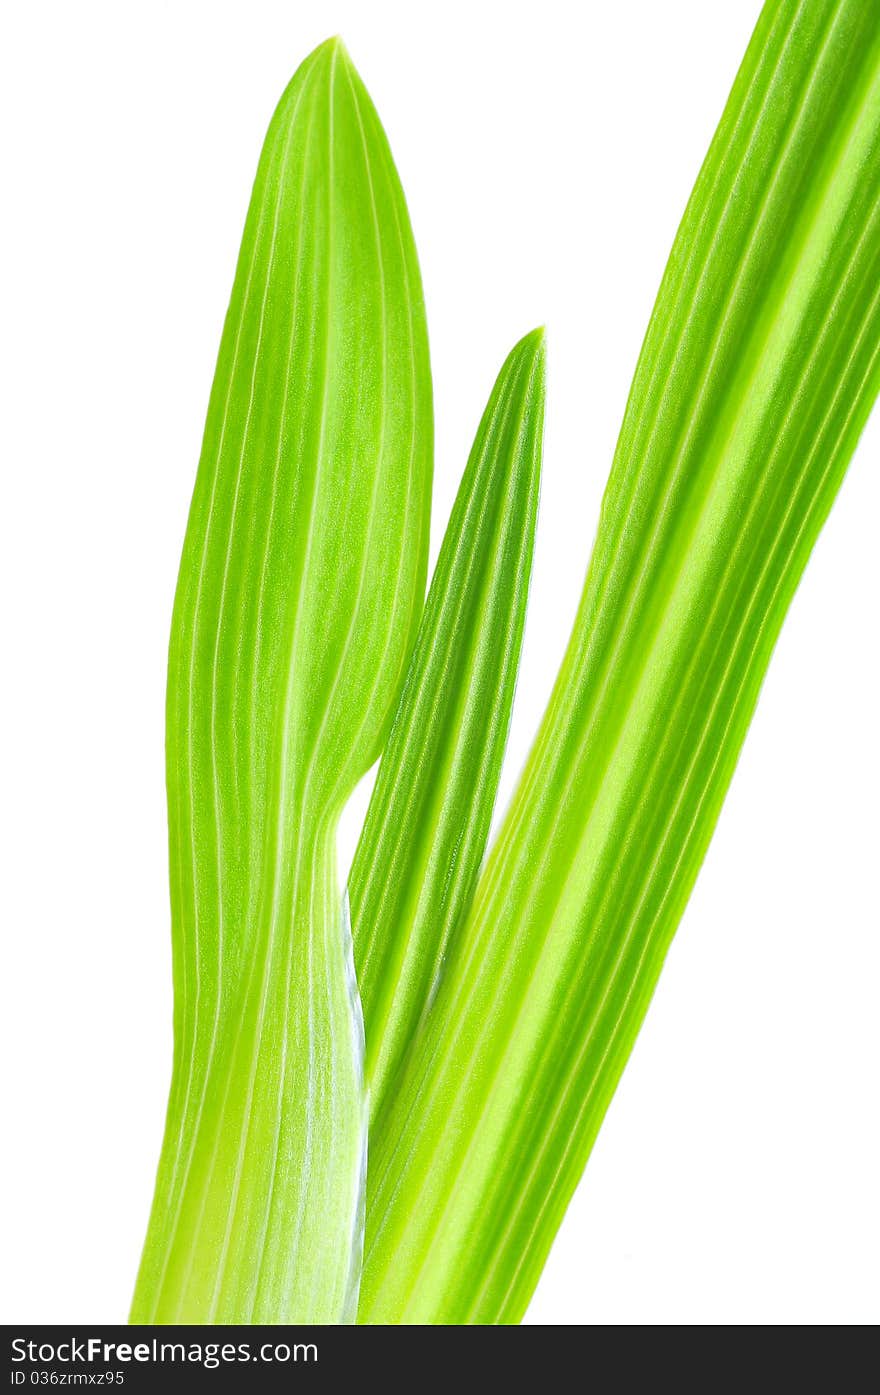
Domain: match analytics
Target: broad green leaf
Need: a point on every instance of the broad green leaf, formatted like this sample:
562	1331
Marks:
426	828
300	587
760	365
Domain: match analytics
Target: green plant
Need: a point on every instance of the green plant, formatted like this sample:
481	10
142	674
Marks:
500	1004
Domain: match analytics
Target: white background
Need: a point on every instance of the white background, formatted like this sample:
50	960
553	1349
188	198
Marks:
547	152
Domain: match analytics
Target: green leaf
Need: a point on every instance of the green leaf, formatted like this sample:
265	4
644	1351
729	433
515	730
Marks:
426	828
300	587
760	365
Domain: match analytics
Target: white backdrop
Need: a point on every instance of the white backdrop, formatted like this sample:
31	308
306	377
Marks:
547	152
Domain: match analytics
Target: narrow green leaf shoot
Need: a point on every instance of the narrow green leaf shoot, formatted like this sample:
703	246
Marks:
426	828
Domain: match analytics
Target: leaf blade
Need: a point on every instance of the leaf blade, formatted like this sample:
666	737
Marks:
426	828
309	516
759	368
